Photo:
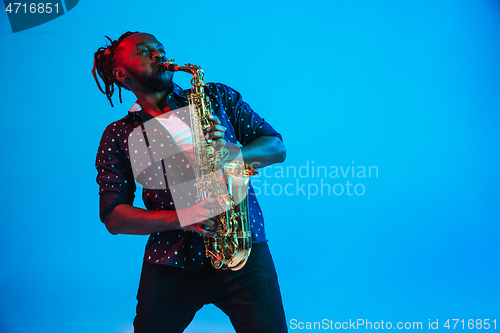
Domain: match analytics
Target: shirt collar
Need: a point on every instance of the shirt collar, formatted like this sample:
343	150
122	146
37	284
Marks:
176	90
179	91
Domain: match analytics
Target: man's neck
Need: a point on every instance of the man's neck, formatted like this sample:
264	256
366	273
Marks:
154	103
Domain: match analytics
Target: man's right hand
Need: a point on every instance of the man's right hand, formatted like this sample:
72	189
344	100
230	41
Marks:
198	218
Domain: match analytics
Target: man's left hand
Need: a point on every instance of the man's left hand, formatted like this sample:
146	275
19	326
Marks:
214	134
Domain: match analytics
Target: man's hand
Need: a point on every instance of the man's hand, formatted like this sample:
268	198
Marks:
127	219
198	217
215	133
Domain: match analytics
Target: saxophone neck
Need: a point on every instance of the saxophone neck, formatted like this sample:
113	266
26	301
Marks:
195	71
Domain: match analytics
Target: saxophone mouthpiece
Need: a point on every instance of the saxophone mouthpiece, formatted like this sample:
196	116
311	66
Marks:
170	66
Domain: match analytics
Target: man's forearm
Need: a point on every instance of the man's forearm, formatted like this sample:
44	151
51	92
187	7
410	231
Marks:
126	219
264	151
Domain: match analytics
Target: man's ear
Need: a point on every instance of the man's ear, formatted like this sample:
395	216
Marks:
119	74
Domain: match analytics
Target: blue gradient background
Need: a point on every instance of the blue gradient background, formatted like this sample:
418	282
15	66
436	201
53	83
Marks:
412	87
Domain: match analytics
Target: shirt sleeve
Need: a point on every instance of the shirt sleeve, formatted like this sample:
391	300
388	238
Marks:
248	125
114	174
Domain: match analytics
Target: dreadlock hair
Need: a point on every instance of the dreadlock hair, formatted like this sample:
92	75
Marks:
104	63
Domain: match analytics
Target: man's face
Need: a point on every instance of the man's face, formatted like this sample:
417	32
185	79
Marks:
142	58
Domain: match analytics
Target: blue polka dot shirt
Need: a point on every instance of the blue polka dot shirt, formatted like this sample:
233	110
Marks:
117	184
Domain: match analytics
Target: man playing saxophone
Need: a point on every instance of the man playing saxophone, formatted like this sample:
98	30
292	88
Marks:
177	279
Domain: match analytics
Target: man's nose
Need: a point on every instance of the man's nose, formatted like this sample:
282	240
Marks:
157	55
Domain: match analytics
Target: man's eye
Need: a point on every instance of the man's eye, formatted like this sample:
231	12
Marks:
142	51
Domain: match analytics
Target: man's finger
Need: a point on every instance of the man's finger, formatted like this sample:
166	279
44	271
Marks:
209	223
206	233
215	128
208	202
214	119
214	135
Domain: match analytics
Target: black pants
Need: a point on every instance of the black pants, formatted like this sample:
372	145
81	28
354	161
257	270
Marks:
169	297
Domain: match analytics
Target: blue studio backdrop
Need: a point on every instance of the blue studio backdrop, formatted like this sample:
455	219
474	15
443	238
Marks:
386	209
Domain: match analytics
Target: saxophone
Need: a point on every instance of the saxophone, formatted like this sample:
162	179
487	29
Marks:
226	181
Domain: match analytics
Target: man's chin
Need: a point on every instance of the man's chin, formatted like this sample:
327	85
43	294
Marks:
158	85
